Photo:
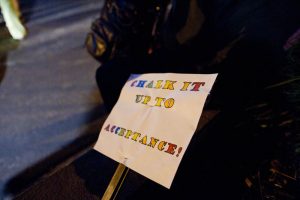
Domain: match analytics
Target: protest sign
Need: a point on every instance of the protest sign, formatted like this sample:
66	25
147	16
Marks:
153	122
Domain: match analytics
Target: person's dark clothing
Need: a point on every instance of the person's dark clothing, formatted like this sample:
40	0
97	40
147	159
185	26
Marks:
257	89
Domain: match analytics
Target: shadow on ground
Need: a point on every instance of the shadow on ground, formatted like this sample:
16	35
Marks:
88	137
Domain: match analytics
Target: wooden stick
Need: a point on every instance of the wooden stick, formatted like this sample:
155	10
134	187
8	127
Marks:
115	182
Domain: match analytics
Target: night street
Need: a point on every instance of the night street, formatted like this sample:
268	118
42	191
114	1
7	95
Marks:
48	93
203	99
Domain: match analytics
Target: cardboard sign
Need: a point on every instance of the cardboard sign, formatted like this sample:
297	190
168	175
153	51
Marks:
153	122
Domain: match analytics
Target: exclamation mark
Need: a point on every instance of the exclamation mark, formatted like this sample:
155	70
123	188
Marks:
179	151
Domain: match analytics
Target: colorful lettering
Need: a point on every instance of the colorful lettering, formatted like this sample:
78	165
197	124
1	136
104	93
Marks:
161	145
107	127
153	142
117	129
158	84
171	148
128	134
185	86
169	85
143	140
169	103
138	98
122	131
132	84
141	83
112	129
135	136
150	85
158	101
197	85
146	99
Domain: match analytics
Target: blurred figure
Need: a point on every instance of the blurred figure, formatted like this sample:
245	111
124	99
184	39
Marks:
11	14
254	46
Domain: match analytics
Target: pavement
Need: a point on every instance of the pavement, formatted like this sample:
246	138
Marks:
50	107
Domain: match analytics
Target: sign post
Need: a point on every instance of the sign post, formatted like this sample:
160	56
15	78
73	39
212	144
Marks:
115	182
